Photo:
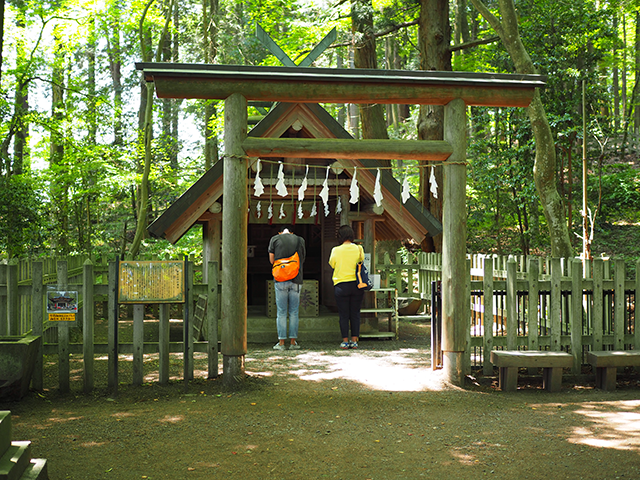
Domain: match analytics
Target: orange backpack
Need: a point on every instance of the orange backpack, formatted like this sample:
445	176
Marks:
286	269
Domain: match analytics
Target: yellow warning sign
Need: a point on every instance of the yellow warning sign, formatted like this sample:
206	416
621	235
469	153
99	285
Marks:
151	281
62	317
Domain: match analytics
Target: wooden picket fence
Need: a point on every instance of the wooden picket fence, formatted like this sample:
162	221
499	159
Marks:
534	303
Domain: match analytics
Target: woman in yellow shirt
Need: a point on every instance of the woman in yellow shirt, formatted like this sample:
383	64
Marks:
343	260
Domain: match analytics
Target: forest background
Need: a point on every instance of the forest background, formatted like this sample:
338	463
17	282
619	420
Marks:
77	176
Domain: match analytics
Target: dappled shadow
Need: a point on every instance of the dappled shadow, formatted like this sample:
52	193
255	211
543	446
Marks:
613	424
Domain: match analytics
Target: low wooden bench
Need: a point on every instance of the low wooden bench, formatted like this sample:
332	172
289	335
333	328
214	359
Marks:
606	365
552	363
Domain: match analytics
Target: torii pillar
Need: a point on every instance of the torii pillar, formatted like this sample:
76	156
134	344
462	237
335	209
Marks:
234	241
455	298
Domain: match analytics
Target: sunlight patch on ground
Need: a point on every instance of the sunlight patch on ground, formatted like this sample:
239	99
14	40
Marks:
388	371
172	419
613	425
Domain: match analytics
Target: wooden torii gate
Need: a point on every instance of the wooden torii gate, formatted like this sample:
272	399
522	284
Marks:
237	84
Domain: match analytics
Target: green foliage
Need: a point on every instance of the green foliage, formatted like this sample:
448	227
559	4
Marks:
619	188
22	224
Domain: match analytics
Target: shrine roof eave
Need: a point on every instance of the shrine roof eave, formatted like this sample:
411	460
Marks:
333	85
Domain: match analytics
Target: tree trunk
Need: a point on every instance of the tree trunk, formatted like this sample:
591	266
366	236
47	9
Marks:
371	115
146	118
210	11
434	35
544	170
59	186
114	53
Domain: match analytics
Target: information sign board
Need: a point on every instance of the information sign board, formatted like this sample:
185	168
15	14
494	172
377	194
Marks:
151	281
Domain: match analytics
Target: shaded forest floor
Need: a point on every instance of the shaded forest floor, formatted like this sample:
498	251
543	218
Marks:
379	412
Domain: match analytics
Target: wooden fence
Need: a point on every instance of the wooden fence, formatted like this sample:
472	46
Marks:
555	304
22	287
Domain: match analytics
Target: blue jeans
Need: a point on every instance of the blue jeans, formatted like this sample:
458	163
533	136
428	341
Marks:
287	301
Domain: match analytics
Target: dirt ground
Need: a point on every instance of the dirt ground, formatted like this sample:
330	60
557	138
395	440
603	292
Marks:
379	412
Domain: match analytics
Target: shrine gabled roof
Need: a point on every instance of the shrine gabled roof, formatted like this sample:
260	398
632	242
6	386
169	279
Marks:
408	220
336	85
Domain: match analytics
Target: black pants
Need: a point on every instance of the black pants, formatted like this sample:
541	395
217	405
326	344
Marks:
349	301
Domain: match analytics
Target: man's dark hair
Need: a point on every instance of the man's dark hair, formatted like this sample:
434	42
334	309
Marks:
284	227
345	232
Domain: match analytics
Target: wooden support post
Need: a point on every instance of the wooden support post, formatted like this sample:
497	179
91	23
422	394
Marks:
636	320
555	304
163	344
487	318
576	314
87	326
597	315
619	305
63	333
37	318
12	298
4	322
212	318
187	324
211	231
370	323
112	340
344	215
533	270
454	264
512	305
234	241
138	343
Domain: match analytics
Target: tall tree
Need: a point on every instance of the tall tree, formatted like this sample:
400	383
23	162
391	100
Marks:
60	176
434	36
210	49
371	115
545	160
147	127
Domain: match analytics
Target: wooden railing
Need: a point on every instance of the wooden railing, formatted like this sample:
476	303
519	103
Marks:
555	304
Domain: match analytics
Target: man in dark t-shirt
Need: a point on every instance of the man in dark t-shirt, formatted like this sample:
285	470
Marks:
284	245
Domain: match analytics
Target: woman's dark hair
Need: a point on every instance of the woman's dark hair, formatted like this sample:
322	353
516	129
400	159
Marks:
345	232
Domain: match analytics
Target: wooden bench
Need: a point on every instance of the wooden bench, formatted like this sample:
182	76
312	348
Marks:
552	363
606	365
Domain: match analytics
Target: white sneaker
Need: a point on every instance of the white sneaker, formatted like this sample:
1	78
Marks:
294	346
278	346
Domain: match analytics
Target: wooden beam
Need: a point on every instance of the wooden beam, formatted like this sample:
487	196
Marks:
324	92
437	150
333	85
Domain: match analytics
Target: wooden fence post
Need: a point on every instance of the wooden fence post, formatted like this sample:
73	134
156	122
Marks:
576	314
512	305
619	303
533	272
138	343
212	318
88	314
63	332
487	317
4	321
12	297
164	332
188	322
555	306
112	300
636	323
37	318
597	318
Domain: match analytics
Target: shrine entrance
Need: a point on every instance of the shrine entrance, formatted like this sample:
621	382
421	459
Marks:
237	85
